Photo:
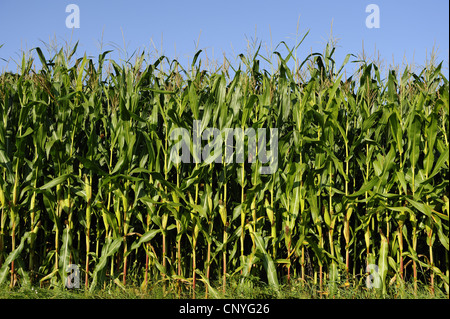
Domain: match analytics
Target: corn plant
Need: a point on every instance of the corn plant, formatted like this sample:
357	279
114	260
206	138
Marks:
87	174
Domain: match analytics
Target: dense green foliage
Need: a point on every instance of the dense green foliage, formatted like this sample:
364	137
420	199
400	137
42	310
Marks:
86	176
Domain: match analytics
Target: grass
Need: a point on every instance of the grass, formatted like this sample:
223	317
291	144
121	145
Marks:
235	290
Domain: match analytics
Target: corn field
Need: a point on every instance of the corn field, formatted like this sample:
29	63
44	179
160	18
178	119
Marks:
86	176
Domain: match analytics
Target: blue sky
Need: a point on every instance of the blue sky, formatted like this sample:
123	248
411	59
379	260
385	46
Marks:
408	29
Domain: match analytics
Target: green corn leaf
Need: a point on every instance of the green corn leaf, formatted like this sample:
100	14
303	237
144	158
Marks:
422	207
214	293
414	140
108	250
366	187
383	264
80	74
4	271
269	265
145	238
42	58
56	181
64	258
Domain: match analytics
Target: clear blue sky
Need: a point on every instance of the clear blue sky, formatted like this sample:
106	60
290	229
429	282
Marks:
408	29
